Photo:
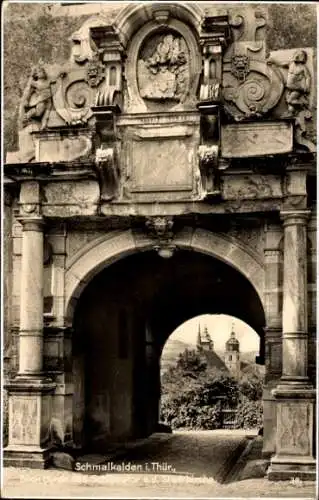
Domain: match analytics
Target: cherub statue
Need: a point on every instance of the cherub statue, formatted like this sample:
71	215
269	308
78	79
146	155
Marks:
298	82
37	98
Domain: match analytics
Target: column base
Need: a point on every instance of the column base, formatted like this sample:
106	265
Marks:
295	384
30	414
295	434
26	456
33	383
285	468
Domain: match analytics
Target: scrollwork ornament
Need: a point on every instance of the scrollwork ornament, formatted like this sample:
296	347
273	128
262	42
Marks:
253	94
74	97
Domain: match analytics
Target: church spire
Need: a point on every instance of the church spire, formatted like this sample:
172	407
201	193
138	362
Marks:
205	340
232	333
199	337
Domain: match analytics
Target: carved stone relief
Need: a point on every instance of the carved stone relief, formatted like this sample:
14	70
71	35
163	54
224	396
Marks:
74	97
94	72
298	82
296	68
215	34
34	111
24	412
71	198
163	68
257	85
160	229
36	99
293	428
60	96
251	186
110	50
251	88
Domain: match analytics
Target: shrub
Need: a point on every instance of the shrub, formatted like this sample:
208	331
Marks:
249	414
251	386
190	415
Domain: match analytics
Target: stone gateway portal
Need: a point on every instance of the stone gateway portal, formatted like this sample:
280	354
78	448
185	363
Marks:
165	169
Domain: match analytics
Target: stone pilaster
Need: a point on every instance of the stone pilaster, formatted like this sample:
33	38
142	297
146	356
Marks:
30	391
294	394
273	331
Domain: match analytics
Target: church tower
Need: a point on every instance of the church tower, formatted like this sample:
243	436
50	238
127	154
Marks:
204	341
232	354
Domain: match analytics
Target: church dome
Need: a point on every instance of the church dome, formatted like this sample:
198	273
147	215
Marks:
232	343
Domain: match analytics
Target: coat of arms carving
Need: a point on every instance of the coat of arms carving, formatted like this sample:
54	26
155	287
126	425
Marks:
163	68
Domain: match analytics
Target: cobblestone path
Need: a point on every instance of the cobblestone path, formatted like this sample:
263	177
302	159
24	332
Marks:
197	462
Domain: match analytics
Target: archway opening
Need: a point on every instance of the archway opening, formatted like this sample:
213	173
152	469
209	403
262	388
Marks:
209	375
121	323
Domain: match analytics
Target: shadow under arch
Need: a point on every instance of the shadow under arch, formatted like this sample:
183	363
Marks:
106	250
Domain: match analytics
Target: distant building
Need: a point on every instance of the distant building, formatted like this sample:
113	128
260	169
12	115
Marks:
232	354
204	341
230	360
205	348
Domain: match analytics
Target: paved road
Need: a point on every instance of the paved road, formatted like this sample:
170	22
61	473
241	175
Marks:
187	464
194	454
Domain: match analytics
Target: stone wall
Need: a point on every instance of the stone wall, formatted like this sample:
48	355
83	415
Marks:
41	31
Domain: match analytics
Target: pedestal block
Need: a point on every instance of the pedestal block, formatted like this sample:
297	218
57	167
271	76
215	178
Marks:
295	436
29	422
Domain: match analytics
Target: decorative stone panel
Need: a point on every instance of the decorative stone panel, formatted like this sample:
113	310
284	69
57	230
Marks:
71	198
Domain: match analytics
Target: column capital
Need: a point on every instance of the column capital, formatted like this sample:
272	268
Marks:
295	217
34	223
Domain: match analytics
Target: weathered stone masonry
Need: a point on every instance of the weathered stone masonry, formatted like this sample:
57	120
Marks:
171	148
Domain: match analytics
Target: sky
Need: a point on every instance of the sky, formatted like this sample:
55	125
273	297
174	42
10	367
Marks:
219	327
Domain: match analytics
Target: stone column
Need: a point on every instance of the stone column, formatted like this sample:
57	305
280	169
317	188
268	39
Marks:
31	298
294	394
30	391
295	312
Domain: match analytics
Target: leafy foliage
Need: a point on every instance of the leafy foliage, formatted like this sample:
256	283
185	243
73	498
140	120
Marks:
249	414
193	395
251	386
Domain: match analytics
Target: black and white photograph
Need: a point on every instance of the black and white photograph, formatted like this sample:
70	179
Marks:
158	250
